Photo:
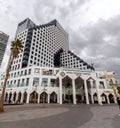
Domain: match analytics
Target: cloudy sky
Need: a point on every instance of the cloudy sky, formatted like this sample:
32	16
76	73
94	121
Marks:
93	26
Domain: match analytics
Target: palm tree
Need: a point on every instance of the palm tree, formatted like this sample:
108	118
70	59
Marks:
118	90
16	48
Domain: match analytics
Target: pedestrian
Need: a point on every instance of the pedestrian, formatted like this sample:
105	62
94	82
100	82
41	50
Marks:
118	101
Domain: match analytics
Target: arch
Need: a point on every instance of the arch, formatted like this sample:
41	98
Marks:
6	97
33	97
43	97
90	78
79	87
67	93
111	98
14	96
89	96
103	98
19	97
10	96
53	97
24	97
95	98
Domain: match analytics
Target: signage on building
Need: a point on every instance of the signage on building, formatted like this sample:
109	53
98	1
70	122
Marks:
108	91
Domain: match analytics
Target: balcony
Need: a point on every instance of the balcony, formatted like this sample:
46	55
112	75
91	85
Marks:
27	48
26	53
25	57
27	43
25	62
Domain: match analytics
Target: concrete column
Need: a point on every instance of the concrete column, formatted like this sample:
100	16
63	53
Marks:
86	92
22	94
60	85
28	97
108	101
38	101
4	96
74	91
58	99
91	84
92	98
48	98
12	97
49	84
98	93
115	100
16	97
8	97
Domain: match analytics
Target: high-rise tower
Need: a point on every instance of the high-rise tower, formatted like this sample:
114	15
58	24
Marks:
45	45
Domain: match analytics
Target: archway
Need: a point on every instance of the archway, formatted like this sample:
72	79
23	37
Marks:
6	97
111	98
24	97
79	87
43	97
104	98
67	92
89	96
33	97
19	97
10	96
53	97
95	98
14	96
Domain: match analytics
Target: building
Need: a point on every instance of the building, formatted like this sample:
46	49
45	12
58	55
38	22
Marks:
110	77
3	42
47	71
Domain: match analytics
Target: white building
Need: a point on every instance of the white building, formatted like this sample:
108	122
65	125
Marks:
47	71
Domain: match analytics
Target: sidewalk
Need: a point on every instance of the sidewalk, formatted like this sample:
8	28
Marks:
103	117
30	111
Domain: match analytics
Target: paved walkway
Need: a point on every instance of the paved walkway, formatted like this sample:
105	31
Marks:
103	117
60	116
28	112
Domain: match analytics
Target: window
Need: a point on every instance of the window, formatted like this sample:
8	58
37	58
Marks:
52	82
37	71
18	84
18	66
25	72
22	84
35	81
27	82
29	72
14	81
44	81
14	74
101	86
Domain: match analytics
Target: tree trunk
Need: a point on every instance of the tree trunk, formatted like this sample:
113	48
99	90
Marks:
4	85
